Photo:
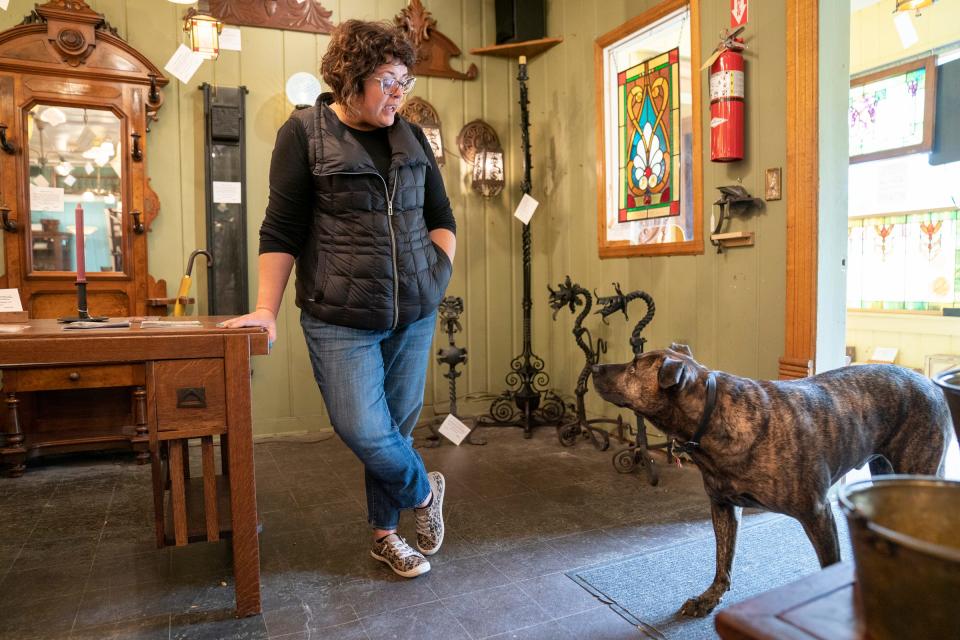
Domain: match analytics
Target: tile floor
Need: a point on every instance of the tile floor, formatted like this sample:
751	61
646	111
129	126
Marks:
78	560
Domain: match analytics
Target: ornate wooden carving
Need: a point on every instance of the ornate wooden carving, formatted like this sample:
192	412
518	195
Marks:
293	15
65	49
434	49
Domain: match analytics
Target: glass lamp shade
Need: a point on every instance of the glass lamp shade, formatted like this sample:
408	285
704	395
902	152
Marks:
303	88
436	141
204	34
488	178
912	5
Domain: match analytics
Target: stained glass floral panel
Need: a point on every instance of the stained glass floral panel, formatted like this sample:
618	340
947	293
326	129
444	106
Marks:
649	178
891	112
904	262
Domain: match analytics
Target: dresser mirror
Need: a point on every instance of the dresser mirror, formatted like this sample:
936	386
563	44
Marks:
76	102
75	157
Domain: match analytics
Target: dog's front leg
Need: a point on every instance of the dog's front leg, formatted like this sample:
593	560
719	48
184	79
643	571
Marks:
726	521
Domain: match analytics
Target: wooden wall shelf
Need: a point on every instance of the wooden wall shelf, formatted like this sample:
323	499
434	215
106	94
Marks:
734	238
530	48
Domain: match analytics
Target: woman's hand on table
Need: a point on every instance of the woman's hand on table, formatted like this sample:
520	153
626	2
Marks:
260	317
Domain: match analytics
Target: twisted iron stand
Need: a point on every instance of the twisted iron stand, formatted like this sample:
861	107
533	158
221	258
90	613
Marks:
626	459
450	310
527	403
572	295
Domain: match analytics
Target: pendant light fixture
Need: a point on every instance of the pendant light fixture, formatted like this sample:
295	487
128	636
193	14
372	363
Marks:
204	30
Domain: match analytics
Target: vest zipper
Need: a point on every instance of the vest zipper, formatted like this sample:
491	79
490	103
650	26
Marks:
393	246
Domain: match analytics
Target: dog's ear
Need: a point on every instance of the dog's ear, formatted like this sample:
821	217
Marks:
681	348
671	372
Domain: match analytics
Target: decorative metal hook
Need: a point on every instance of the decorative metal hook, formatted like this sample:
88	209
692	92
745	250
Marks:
8	224
137	222
136	152
4	144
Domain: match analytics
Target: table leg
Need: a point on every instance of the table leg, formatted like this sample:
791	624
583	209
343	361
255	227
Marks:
140	423
14	449
243	497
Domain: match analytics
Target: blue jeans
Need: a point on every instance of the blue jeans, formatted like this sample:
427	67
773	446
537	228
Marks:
372	383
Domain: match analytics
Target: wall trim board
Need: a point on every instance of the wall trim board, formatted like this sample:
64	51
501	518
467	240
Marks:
802	188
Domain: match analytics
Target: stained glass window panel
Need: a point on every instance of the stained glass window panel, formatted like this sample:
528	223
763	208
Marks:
887	114
649	149
904	262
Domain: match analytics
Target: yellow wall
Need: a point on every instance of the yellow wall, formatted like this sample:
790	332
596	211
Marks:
728	306
874	41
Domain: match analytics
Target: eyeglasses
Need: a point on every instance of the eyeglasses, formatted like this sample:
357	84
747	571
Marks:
389	85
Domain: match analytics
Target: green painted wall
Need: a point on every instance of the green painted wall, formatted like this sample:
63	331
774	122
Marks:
729	307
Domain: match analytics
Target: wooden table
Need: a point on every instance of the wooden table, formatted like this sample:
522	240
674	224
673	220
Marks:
818	607
188	382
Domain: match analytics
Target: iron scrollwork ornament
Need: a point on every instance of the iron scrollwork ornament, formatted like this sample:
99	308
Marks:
626	459
572	295
450	310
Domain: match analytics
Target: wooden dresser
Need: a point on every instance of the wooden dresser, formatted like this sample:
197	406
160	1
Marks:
157	388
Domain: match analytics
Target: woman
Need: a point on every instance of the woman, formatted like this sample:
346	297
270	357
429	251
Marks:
358	203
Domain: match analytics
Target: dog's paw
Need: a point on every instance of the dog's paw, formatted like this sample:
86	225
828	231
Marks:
699	606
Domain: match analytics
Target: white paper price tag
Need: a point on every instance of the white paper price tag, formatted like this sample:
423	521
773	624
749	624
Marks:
454	430
184	63
227	192
526	208
10	300
230	39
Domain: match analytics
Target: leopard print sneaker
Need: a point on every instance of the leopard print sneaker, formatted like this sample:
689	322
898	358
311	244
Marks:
430	518
399	556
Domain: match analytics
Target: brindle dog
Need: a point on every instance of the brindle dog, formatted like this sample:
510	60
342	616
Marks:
779	446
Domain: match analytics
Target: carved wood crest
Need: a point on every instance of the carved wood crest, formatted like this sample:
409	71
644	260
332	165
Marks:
293	15
71	28
434	49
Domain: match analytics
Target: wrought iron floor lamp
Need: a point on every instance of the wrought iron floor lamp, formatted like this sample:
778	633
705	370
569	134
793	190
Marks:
527	403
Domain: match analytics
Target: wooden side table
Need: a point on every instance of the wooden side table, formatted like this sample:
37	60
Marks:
186	382
817	607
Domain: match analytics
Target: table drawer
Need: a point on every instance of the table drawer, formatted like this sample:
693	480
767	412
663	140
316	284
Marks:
77	377
190	394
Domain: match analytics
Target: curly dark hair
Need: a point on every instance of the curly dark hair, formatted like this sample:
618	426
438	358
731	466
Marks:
356	48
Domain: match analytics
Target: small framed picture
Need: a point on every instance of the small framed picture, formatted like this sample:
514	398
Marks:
772	185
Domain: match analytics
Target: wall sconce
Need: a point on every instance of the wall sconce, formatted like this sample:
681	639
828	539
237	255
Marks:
480	147
204	30
421	112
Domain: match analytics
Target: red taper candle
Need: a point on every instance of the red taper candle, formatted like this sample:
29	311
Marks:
81	263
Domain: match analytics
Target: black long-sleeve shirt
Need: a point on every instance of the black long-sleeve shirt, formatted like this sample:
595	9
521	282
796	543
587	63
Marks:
290	207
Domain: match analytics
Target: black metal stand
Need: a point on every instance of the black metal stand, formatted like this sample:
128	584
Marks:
82	314
450	310
626	459
570	294
527	403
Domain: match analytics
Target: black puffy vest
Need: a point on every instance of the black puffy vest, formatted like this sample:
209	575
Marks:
369	262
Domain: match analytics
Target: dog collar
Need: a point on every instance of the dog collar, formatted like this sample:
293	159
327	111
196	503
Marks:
694	442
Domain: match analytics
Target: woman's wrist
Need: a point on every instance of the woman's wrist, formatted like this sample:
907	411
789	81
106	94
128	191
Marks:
265	308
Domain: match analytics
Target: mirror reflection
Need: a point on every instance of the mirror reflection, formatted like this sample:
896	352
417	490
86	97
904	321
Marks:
75	157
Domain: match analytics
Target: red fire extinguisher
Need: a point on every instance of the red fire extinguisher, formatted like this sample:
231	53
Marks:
727	100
